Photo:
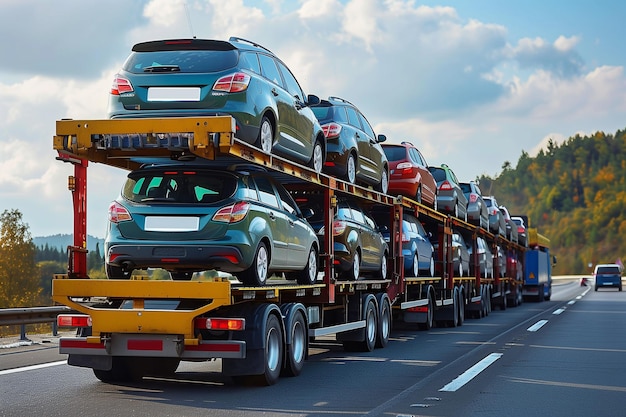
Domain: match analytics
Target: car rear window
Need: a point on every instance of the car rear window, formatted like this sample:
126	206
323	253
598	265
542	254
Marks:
439	174
186	61
395	153
608	270
178	186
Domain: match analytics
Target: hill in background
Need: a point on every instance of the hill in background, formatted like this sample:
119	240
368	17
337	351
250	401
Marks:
574	194
62	241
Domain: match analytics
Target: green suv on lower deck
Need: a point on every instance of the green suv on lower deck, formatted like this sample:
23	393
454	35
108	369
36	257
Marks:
188	219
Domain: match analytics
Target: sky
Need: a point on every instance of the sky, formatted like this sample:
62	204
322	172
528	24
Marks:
472	84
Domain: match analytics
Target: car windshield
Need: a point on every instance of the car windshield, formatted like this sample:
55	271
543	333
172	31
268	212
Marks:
395	153
178	186
197	61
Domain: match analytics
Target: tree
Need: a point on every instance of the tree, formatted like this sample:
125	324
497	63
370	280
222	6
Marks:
19	278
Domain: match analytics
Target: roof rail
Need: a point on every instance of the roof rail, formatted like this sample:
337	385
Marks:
343	100
238	39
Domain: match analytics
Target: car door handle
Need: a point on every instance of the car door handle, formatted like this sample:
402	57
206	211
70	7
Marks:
298	105
291	222
271	215
274	92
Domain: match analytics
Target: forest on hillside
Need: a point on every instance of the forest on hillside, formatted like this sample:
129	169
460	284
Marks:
574	193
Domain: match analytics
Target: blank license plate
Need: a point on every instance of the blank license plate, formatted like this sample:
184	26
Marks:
171	224
173	94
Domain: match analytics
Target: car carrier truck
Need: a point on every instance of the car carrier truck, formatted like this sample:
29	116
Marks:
130	328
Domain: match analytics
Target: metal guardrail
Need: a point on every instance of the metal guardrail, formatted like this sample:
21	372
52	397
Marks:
32	315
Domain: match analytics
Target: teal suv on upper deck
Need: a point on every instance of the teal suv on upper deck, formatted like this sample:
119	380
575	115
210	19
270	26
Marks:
199	77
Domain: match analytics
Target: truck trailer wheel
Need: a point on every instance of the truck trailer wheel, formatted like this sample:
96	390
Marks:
297	345
384	320
369	333
272	356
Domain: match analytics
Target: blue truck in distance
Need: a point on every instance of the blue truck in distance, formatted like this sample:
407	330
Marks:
538	265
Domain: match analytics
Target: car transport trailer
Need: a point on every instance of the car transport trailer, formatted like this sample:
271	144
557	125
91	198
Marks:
130	328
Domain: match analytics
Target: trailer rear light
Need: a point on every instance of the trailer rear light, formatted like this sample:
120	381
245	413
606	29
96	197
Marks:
331	130
118	213
233	83
121	85
233	213
216	323
445	186
73	320
339	227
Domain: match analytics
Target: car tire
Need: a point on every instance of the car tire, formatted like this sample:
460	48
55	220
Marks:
265	141
382	272
383	185
351	168
258	272
414	270
418	194
353	273
308	275
317	159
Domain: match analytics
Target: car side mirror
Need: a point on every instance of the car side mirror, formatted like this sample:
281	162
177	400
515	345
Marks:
312	100
307	213
382	138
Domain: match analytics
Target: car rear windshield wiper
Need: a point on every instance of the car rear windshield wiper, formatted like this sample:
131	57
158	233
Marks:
162	68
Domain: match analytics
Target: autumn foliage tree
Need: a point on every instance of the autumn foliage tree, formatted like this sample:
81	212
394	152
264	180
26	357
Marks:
19	278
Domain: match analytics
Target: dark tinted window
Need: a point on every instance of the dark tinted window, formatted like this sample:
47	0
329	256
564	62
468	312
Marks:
608	269
417	157
181	61
353	118
366	126
438	173
395	153
288	204
175	186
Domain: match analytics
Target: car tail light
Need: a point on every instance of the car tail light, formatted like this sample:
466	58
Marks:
331	130
404	168
473	198
445	186
233	83
118	213
233	213
121	85
339	226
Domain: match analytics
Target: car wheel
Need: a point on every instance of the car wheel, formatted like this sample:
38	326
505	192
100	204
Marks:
351	169
383	266
415	270
418	194
461	268
456	209
256	275
353	273
431	269
317	159
266	135
383	186
308	275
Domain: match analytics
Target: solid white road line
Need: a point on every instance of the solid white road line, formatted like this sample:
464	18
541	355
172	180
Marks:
32	367
471	373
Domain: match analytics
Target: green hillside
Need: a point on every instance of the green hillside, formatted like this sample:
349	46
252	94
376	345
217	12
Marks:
575	194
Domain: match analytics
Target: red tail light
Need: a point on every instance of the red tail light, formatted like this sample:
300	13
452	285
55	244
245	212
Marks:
121	85
233	213
118	213
473	198
445	186
219	323
331	130
339	227
75	320
404	168
233	83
